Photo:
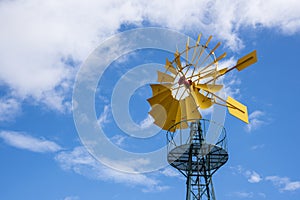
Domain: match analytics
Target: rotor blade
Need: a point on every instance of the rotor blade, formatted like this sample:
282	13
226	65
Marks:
181	116
237	109
208	40
170	67
198	40
158	88
202	101
159	112
187	49
171	115
191	108
195	49
177	60
157	99
163	77
209	87
246	61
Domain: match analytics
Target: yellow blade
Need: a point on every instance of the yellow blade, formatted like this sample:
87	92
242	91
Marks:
159	112
181	115
163	77
237	109
246	61
177	60
158	88
213	50
206	44
170	67
157	99
191	108
187	49
209	87
171	115
202	101
198	40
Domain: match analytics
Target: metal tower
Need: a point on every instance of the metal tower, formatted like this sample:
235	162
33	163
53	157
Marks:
194	153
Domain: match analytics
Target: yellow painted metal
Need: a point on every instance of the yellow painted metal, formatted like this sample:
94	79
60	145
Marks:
198	40
163	77
191	108
157	99
209	87
177	60
208	40
202	101
158	88
159	111
187	49
237	109
170	67
246	61
171	115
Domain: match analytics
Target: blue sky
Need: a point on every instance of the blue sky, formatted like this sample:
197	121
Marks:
43	47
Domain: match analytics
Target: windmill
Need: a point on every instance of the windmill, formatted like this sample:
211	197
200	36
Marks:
190	83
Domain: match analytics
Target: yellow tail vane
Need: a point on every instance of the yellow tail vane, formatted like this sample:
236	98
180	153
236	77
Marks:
237	109
185	89
246	61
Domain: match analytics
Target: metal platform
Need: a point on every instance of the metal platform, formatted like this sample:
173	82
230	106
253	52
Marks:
207	156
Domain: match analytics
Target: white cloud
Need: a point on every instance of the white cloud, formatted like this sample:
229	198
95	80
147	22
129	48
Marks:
284	183
253	177
24	141
170	172
35	62
118	140
255	147
104	116
9	108
255	120
146	123
71	198
243	194
81	162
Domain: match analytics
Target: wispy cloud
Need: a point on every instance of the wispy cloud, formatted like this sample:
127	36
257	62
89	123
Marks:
255	121
256	147
118	140
23	141
284	183
251	175
242	194
146	123
71	198
81	162
104	116
9	108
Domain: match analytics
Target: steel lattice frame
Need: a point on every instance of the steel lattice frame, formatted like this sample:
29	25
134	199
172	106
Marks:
197	160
